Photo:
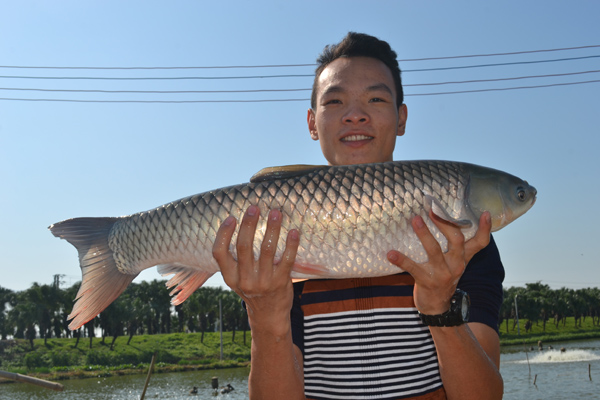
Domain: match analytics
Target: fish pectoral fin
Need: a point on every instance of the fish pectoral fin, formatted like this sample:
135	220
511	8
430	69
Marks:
283	172
435	206
306	270
187	279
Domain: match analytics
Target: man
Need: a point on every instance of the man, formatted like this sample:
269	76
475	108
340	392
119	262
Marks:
356	113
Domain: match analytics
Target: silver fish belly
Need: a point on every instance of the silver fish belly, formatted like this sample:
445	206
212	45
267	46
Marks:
348	217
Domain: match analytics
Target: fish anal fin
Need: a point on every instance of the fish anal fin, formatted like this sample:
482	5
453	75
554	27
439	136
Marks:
433	204
306	270
284	172
186	280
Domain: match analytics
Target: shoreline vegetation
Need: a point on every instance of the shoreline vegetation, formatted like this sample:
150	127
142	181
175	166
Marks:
59	359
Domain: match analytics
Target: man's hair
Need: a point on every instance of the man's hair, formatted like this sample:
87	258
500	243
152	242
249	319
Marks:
359	45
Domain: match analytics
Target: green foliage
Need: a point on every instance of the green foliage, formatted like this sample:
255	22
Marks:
570	331
143	308
34	360
63	359
176	349
537	305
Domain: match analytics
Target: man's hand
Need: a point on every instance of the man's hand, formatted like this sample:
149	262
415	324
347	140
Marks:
436	279
265	285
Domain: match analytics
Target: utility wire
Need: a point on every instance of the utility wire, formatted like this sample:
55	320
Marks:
299	65
499	64
501	89
285	75
289	100
160	91
288	90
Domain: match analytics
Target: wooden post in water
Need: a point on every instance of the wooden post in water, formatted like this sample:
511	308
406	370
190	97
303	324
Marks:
221	327
31	380
519	334
148	377
590	371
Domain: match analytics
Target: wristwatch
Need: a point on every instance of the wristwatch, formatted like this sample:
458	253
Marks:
458	313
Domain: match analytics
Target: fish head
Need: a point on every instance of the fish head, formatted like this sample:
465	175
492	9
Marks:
505	196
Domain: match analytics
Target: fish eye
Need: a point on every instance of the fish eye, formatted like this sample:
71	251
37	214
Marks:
521	194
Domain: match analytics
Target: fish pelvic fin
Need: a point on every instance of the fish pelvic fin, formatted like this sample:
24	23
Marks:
435	206
303	270
101	282
187	280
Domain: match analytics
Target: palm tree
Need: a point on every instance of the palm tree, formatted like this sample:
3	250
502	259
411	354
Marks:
6	297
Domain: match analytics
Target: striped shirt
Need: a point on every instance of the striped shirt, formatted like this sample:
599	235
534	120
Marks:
363	338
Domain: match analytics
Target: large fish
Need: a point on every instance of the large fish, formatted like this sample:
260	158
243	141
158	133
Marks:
349	217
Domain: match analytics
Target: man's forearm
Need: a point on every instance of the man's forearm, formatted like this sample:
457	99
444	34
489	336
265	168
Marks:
275	367
467	370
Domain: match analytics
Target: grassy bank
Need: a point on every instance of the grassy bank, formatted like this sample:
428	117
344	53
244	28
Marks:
60	359
552	333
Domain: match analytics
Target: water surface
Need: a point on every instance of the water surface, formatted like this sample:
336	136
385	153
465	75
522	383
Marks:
528	375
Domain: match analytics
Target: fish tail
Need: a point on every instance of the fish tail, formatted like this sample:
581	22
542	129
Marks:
101	282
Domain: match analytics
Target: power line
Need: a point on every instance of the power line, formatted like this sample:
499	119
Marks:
290	100
500	54
169	78
284	75
502	89
159	91
289	90
296	65
499	64
157	101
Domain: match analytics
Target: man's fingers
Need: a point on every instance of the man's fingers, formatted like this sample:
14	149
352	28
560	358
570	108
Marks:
429	242
245	239
481	238
221	247
271	238
288	258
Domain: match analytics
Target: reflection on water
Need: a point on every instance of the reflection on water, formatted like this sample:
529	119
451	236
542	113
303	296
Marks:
548	375
557	356
162	386
552	374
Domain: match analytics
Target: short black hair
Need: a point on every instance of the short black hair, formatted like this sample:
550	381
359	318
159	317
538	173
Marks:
359	45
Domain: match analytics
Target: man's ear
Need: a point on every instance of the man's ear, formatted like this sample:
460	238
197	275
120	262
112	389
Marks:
312	125
402	117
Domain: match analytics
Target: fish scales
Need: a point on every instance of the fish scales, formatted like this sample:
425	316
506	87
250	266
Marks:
164	237
349	217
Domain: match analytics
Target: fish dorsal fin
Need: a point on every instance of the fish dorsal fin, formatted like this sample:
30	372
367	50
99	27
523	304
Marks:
283	172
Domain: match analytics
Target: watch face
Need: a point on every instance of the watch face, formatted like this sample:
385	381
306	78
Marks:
464	308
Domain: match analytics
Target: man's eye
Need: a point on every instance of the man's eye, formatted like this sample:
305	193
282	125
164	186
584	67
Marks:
333	101
377	100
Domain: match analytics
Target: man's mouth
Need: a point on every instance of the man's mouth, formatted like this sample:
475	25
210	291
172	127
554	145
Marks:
355	138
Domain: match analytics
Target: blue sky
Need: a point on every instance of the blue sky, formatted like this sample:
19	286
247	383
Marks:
67	159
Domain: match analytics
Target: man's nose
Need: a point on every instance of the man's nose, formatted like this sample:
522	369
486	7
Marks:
356	114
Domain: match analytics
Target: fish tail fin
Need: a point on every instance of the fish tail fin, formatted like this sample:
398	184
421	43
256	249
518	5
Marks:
101	282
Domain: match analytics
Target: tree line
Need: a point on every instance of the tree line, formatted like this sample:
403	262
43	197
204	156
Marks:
538	303
143	308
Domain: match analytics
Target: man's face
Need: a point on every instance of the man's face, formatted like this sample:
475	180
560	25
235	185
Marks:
356	118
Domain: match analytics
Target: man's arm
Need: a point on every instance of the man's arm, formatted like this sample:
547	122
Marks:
468	369
266	288
469	354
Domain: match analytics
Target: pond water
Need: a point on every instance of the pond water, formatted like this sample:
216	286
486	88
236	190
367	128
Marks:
528	375
161	386
550	373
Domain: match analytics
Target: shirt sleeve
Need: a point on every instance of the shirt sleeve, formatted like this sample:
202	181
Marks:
482	280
